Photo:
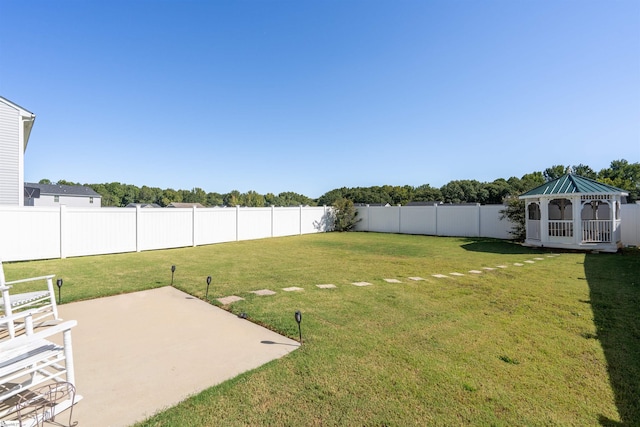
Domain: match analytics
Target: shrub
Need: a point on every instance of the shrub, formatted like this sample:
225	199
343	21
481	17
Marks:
344	215
515	212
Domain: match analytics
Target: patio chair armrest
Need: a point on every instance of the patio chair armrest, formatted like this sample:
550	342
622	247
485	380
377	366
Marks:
5	288
18	316
31	279
40	335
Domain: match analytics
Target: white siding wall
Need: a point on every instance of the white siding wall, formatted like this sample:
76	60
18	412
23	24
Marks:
11	186
70	201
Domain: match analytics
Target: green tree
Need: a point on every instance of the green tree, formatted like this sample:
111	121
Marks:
44	181
584	170
623	175
426	193
515	213
344	215
554	172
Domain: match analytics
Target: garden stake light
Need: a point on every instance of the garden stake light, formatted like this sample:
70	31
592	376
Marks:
206	296
173	270
299	319
59	283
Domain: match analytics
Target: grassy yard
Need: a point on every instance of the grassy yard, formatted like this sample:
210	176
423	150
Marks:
554	342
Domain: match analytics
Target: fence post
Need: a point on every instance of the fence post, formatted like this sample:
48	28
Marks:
478	222
399	218
62	230
237	223
300	219
138	220
273	208
193	226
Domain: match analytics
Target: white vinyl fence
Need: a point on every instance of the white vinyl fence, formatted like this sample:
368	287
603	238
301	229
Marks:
29	233
465	221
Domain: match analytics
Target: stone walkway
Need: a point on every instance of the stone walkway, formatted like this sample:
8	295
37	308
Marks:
264	292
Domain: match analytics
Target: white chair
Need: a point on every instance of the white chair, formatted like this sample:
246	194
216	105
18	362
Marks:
31	360
43	301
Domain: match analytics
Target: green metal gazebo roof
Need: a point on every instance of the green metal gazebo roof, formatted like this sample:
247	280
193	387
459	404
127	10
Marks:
570	184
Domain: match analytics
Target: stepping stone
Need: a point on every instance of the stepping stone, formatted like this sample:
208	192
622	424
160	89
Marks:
292	289
263	292
361	284
530	262
518	264
456	274
475	271
392	281
501	266
229	299
440	276
327	286
539	259
416	278
488	268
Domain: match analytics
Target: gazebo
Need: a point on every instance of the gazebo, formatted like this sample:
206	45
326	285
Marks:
574	212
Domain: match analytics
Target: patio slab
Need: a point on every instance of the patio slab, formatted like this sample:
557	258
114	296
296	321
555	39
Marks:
361	284
326	286
263	292
229	300
140	353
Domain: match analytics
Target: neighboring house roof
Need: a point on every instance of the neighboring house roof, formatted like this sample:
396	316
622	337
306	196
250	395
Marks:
26	114
143	205
62	190
569	184
184	205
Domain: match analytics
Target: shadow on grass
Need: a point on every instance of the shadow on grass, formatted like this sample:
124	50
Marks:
497	246
614	284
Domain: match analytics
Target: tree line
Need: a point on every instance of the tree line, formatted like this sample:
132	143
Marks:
620	173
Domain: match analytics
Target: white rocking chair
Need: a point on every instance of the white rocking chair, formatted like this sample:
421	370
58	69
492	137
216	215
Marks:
42	302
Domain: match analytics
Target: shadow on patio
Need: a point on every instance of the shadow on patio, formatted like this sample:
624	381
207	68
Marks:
614	284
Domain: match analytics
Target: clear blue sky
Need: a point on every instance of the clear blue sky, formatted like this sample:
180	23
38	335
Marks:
308	96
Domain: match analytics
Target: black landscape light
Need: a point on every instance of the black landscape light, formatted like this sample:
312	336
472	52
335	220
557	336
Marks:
206	296
299	319
173	270
59	283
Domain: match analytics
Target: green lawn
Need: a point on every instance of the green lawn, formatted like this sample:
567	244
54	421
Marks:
554	342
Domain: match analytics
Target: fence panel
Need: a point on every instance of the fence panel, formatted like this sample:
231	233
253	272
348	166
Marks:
286	221
384	219
462	221
165	228
630	224
91	231
254	223
215	225
314	220
418	220
29	233
491	225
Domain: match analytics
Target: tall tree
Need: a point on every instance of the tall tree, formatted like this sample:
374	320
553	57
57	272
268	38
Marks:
554	172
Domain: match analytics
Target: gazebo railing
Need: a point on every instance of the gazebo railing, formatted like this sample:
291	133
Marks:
596	230
561	228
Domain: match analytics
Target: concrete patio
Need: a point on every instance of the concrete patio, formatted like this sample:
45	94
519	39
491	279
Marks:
137	354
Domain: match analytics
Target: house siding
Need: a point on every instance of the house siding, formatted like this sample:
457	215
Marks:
10	185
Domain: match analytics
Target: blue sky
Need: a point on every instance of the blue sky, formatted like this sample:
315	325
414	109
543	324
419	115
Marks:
308	96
